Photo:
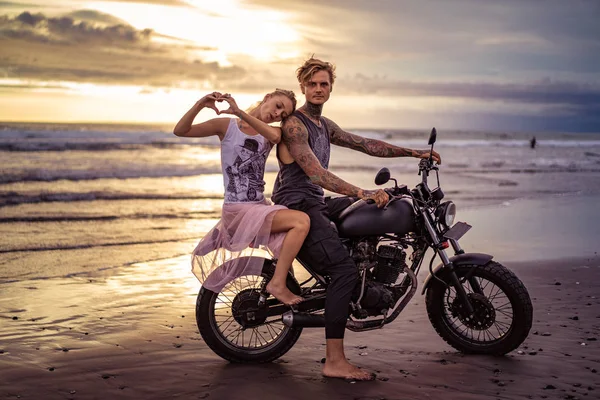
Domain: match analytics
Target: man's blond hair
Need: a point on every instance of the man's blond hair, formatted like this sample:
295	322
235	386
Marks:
312	66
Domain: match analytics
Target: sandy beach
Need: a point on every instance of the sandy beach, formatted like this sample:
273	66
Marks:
132	335
97	300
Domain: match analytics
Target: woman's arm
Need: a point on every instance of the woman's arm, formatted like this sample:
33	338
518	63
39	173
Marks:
271	133
215	126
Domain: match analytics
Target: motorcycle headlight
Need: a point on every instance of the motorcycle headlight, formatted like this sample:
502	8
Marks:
446	213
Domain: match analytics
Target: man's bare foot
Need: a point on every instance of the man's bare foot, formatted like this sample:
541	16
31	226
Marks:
283	294
344	370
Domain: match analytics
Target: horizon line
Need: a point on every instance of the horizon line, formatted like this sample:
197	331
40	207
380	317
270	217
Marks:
138	123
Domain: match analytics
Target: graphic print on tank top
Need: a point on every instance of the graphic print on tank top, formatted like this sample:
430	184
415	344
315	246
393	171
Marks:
320	147
245	174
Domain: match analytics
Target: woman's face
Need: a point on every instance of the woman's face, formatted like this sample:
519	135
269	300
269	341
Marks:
275	108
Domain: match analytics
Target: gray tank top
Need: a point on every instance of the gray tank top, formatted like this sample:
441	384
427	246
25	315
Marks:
292	184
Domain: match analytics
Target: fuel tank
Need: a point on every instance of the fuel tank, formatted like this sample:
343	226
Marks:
398	217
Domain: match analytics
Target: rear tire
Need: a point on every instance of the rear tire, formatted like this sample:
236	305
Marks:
503	317
226	345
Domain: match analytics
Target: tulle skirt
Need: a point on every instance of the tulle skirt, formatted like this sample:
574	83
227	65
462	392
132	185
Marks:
237	245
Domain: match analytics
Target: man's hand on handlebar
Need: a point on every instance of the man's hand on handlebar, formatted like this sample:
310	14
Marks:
378	196
426	154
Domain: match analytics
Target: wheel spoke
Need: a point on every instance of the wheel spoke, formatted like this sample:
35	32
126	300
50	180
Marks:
241	295
505	313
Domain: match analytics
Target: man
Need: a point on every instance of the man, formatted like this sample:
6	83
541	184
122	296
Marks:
302	177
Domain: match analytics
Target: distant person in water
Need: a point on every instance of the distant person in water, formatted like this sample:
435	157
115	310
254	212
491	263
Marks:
248	220
533	142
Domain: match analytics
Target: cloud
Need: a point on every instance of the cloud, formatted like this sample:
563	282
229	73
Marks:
94	16
65	30
543	91
180	3
37	47
12	4
534	104
429	38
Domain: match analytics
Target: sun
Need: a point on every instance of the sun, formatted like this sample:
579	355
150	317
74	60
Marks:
219	29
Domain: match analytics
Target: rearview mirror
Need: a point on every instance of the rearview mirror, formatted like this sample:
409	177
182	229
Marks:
432	137
382	177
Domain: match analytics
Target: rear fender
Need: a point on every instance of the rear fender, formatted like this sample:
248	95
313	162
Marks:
461	259
268	270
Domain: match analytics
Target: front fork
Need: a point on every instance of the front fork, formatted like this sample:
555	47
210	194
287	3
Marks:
455	281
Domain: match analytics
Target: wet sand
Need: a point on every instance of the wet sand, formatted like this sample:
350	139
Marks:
132	335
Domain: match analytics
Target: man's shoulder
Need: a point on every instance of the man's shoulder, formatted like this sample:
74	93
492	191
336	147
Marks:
292	121
329	122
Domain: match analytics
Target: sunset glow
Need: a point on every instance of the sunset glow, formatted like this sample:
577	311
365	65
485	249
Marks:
399	64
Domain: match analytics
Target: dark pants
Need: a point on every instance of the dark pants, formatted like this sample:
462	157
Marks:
324	253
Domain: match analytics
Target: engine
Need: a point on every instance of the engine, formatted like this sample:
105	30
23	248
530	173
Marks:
391	260
382	266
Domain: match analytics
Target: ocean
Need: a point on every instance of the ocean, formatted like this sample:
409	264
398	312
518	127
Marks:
93	198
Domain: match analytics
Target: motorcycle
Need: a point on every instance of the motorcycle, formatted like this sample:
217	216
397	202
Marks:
475	304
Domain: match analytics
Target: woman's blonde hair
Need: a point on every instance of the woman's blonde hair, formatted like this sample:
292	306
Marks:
287	93
312	66
277	92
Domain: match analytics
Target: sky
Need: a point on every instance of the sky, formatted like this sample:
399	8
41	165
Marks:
512	65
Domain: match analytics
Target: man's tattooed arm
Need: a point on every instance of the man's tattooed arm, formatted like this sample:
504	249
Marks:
372	147
295	137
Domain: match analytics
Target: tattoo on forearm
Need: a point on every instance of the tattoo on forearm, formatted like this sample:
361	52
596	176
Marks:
295	137
329	181
371	147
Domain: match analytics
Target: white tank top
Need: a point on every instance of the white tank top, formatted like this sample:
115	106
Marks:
243	159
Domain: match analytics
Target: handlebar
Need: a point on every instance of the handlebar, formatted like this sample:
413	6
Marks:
425	166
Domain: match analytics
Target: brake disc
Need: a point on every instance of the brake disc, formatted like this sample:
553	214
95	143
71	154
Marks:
484	313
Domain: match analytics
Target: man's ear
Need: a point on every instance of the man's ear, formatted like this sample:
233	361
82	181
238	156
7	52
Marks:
302	88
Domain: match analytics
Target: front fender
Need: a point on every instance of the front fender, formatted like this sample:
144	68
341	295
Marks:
461	259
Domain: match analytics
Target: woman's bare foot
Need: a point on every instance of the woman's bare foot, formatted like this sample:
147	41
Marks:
283	294
344	370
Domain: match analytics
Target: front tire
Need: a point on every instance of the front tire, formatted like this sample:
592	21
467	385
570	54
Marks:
503	310
221	318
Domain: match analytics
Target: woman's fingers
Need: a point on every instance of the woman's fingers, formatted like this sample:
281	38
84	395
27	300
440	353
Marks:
211	98
228	111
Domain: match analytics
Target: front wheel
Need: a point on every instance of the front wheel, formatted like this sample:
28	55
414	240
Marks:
503	310
238	328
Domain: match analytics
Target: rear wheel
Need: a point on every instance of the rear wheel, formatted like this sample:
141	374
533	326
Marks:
503	310
238	328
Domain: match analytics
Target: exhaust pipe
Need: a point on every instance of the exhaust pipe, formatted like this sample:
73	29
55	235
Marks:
306	320
303	320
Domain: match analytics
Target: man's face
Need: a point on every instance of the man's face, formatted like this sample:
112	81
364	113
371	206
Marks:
318	88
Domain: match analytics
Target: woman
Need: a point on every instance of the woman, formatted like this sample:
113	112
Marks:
248	220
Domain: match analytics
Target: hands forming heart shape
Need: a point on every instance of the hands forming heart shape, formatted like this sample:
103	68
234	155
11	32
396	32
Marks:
211	99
